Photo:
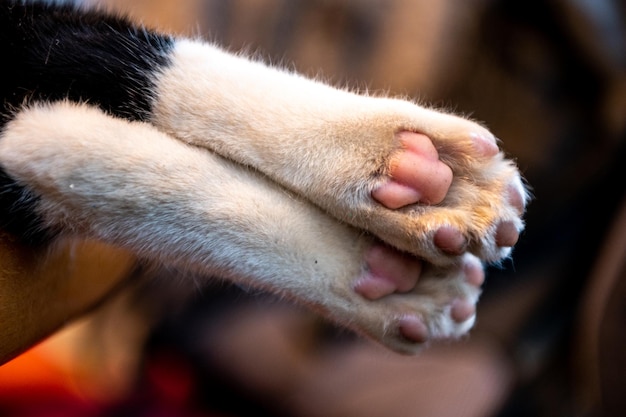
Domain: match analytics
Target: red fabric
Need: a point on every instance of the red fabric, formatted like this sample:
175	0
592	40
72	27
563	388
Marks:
34	386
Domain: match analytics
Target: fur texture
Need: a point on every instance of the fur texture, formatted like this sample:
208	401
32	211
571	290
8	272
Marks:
188	156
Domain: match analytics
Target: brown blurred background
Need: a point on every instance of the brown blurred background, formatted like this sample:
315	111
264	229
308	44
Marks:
549	79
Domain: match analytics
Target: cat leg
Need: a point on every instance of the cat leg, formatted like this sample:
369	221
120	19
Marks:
128	184
424	181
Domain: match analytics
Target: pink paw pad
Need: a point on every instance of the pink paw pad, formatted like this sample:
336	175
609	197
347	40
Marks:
506	235
474	273
417	174
389	271
462	310
506	232
413	329
450	240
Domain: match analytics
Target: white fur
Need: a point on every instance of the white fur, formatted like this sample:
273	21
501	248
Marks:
130	185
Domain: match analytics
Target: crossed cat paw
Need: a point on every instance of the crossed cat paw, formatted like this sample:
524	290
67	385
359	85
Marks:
355	274
433	188
471	213
440	202
467	210
460	202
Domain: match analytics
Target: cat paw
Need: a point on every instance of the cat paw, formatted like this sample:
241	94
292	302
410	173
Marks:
406	304
426	182
453	194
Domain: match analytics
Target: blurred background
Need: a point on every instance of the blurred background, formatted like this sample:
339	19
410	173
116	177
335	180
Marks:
549	79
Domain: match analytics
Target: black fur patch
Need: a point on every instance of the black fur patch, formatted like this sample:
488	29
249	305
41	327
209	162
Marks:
53	52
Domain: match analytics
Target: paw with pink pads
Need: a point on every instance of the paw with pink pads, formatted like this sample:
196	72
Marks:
418	302
430	187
